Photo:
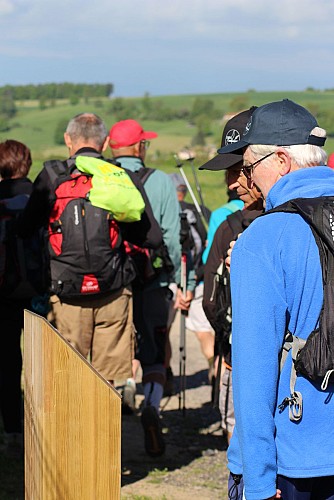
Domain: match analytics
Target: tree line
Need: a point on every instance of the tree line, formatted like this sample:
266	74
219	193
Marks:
10	94
56	91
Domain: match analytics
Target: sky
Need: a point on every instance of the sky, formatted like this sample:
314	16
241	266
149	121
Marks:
165	47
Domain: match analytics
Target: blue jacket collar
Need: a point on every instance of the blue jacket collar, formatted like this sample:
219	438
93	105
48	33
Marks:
308	182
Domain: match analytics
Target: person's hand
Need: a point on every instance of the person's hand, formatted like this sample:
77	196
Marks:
183	302
278	495
228	257
229	252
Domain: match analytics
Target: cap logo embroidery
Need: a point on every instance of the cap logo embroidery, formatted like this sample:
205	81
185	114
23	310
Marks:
248	126
232	136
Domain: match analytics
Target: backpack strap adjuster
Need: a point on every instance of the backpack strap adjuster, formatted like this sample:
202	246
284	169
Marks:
295	401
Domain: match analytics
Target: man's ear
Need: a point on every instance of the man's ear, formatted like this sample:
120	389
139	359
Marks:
284	160
105	144
68	140
138	150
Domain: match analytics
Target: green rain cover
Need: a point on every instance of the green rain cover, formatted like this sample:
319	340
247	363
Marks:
112	189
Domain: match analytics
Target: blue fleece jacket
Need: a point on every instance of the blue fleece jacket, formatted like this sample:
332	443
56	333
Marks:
276	280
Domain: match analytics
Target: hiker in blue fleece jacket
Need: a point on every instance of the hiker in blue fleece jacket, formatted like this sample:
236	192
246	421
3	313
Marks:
276	284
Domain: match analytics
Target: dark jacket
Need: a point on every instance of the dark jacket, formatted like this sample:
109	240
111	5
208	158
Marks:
228	231
8	189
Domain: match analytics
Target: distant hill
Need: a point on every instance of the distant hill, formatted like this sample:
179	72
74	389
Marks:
194	121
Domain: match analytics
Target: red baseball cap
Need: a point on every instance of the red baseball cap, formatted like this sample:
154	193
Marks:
330	161
128	132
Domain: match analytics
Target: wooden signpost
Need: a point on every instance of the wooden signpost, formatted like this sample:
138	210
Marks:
72	421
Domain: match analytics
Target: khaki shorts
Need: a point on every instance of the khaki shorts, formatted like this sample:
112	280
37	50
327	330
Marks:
103	328
226	406
196	320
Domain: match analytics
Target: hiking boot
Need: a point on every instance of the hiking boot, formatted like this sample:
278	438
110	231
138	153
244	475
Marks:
169	387
129	398
154	441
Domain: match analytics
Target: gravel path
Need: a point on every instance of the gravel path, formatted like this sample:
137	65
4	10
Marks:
194	465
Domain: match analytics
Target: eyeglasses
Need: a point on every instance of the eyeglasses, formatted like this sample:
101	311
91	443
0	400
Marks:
145	144
247	170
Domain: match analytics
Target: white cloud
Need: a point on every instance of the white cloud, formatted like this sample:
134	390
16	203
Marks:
202	40
174	20
6	7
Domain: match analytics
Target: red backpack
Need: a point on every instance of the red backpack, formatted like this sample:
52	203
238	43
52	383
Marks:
87	255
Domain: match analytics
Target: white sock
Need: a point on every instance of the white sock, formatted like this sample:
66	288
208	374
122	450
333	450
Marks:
132	382
153	392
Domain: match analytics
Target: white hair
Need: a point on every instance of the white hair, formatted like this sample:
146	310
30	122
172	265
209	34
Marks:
303	155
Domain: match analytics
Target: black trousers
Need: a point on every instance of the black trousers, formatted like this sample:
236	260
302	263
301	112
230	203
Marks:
11	324
312	488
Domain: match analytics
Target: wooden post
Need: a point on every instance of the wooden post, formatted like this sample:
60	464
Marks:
72	421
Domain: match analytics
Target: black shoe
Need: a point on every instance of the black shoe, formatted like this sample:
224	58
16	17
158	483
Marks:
169	387
154	441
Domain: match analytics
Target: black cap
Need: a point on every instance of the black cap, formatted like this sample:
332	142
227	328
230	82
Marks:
232	133
282	123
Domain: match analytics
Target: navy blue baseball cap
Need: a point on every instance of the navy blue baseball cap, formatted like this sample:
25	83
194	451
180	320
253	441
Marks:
282	123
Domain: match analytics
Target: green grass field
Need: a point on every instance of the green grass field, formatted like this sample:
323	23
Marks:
36	128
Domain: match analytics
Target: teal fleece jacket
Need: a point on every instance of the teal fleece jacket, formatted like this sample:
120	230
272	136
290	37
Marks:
276	282
166	209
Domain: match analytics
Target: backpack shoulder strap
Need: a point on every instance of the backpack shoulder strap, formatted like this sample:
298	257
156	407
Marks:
56	170
235	221
318	213
144	173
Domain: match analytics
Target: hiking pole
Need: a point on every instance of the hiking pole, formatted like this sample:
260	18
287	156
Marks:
199	190
193	197
182	392
184	240
187	155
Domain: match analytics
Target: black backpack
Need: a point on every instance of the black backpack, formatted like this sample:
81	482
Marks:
196	238
23	261
149	263
313	358
87	254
